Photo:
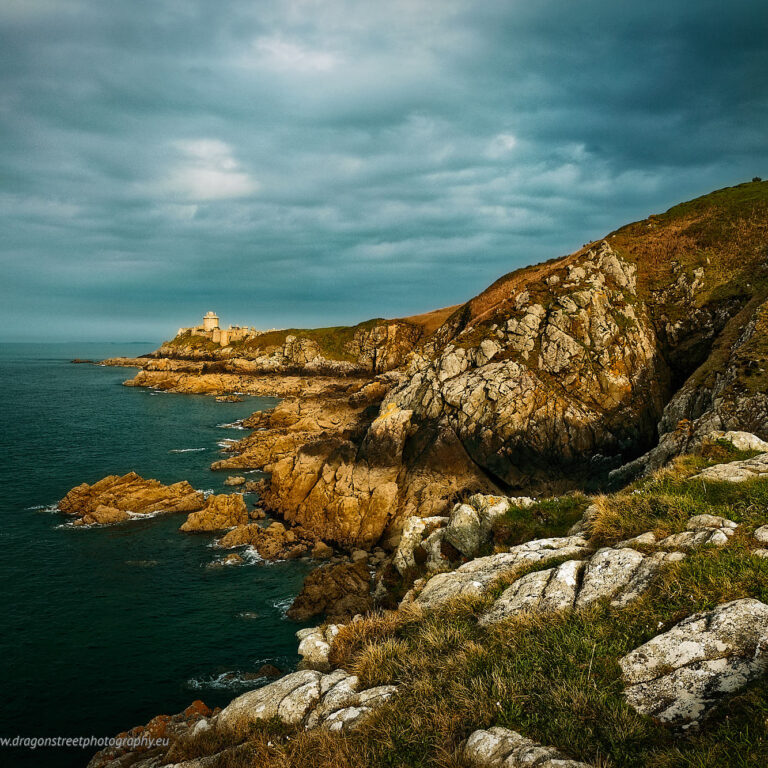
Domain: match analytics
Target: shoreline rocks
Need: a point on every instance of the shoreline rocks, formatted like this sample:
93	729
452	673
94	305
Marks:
116	498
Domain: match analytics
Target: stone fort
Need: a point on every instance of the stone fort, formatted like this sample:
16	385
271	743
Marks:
210	329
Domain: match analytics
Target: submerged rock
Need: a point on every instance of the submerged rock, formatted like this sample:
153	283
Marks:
678	676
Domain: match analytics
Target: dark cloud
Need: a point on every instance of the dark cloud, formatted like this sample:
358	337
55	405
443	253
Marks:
306	163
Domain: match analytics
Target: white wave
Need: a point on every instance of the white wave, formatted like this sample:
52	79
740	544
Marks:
45	507
186	450
283	606
227	680
231	425
248	615
226	443
146	515
251	556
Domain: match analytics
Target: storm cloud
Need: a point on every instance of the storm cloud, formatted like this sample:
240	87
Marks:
307	162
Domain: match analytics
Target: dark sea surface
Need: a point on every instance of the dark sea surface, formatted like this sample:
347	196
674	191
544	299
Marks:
104	628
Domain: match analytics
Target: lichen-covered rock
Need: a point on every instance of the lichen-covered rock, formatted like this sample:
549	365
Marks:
761	534
678	676
474	577
307	697
415	530
501	748
618	575
701	530
741	441
315	645
736	471
115	498
220	512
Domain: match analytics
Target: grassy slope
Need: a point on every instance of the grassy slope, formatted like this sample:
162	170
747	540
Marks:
555	679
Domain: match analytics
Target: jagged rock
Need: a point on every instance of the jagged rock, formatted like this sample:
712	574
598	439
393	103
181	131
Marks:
321	551
134	753
501	748
309	697
114	498
619	575
474	577
470	525
736	471
235	480
315	645
275	542
701	530
220	511
337	590
678	676
414	531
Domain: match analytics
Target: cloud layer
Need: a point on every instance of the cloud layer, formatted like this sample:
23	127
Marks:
310	163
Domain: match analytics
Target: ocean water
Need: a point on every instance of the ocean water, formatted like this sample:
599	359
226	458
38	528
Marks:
104	628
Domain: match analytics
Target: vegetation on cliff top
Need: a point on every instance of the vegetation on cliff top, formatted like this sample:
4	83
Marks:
554	678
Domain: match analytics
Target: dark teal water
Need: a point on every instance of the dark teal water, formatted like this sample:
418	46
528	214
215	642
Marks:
104	628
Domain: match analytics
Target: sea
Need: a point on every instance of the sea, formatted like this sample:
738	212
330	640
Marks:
103	628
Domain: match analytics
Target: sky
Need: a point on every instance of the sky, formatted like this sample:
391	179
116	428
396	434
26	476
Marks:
297	163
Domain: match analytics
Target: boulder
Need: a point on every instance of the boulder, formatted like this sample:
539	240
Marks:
501	748
761	534
315	645
235	480
220	512
338	590
678	676
415	530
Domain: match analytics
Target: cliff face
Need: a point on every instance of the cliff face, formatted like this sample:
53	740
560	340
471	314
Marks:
637	345
560	372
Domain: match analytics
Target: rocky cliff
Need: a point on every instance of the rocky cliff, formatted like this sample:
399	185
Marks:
557	374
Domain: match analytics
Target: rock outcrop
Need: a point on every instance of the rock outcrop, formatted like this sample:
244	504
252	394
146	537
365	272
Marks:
273	542
501	748
116	498
338	591
678	676
617	575
476	576
315	646
737	471
220	512
308	698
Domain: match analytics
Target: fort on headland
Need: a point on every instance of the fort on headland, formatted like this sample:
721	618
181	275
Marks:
210	329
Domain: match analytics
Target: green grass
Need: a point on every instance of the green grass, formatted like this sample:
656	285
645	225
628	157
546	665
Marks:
550	517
